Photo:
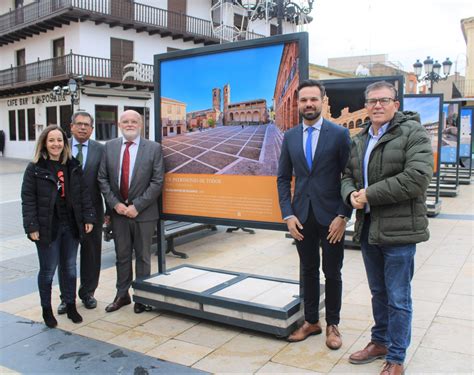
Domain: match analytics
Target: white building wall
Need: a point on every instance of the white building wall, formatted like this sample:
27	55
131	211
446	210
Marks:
39	101
144	45
88	39
41	46
199	9
163	4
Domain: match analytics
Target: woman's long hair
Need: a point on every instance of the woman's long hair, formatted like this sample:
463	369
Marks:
41	151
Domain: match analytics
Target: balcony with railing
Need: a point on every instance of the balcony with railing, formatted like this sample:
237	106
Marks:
43	15
39	75
464	88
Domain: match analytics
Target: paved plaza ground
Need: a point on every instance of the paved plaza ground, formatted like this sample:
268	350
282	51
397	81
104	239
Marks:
161	342
248	150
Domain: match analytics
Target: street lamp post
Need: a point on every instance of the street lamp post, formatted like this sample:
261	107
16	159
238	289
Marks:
432	71
279	9
73	92
72	89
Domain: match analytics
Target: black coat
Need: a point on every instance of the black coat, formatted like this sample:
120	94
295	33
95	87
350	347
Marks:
38	195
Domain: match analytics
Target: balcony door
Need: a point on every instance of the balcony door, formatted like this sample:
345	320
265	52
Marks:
121	54
177	15
122	9
20	63
59	62
19	16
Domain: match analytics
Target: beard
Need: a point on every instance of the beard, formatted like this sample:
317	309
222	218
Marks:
311	116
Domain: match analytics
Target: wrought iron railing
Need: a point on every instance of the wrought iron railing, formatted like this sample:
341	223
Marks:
142	14
465	87
71	64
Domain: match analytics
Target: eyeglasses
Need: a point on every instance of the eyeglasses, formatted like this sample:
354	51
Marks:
85	124
383	101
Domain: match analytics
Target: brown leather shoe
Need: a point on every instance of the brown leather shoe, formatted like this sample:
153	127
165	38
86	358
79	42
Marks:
333	337
369	354
307	329
392	369
118	303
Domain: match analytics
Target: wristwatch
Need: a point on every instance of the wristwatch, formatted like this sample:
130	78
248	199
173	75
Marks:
345	218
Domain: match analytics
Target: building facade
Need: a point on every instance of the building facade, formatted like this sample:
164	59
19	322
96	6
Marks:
285	98
252	112
173	117
108	47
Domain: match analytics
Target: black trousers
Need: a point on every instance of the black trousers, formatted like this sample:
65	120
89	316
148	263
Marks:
315	235
91	253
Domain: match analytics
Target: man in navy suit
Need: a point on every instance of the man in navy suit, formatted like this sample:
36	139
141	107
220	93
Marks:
89	153
316	153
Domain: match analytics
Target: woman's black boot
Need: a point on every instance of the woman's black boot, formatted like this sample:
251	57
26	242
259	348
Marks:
72	313
49	318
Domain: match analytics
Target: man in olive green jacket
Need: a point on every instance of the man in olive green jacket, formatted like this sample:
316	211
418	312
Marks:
389	169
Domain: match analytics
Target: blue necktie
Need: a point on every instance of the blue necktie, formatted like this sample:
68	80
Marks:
309	147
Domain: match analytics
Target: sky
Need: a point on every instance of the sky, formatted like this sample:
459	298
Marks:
251	74
428	108
406	30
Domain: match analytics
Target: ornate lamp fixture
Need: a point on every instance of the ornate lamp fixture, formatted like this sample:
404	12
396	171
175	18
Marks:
279	9
432	70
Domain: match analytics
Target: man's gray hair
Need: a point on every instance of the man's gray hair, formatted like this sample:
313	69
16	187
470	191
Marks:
381	85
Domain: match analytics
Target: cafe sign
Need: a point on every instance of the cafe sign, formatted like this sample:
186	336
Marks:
35	99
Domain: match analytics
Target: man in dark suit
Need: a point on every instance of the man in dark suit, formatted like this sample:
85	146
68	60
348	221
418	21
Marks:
131	177
316	152
89	153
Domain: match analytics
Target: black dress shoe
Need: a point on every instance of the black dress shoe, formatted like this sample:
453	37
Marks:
138	308
89	302
62	308
118	303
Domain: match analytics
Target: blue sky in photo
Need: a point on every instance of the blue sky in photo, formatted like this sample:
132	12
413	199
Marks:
251	74
427	107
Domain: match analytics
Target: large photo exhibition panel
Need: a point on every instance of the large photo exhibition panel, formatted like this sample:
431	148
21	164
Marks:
450	135
429	107
223	111
344	103
467	122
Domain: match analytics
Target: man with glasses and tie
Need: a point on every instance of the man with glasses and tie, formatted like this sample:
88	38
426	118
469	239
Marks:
315	153
131	177
89	153
389	169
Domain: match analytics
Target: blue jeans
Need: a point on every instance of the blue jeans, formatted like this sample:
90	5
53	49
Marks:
63	251
389	272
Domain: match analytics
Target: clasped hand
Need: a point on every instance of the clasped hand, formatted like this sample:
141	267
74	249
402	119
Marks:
128	211
358	199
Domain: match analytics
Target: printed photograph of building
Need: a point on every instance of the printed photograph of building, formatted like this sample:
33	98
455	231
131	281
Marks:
285	99
345	101
227	98
429	110
173	117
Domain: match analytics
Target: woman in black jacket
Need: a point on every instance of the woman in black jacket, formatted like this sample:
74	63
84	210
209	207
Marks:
57	211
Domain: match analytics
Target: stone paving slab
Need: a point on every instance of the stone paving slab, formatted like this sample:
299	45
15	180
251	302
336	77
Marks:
34	349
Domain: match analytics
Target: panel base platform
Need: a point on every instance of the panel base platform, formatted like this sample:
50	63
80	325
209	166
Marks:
260	303
448	175
445	190
434	208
